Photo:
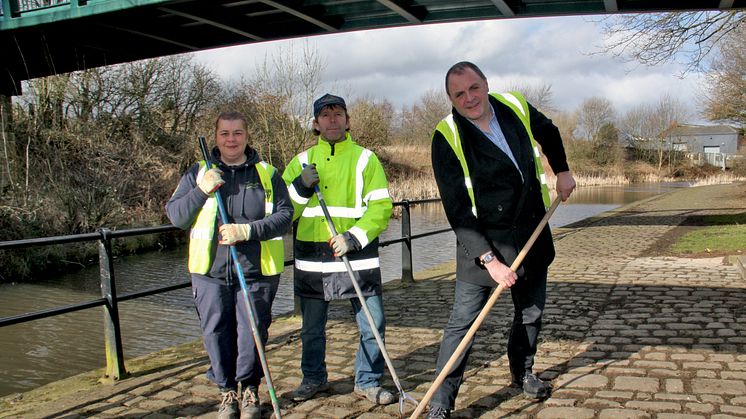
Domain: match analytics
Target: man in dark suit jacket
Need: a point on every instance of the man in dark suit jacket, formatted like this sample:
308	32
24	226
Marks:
485	164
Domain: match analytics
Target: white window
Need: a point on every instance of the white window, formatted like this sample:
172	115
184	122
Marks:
679	146
712	149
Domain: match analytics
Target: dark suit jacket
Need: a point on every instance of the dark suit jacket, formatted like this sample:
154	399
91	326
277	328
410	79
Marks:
508	208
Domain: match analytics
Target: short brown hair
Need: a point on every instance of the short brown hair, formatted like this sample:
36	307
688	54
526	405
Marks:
459	68
231	116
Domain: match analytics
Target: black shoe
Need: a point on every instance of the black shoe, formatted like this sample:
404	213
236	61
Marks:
307	390
535	388
438	413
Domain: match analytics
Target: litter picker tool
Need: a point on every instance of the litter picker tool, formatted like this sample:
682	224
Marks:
483	314
403	397
242	281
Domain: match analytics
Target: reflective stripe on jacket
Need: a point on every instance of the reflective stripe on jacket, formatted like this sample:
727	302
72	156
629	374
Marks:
517	103
355	190
203	230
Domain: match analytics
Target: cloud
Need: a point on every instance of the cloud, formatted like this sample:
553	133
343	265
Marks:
401	64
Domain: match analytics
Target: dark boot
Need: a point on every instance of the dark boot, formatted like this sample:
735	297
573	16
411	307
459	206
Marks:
250	408
434	412
533	386
228	405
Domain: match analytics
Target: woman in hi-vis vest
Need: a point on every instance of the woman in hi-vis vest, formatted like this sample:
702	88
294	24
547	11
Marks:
259	213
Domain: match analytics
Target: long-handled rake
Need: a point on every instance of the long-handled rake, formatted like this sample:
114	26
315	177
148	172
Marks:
249	304
403	397
483	314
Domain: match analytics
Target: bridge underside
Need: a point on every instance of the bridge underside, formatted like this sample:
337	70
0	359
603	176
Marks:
44	37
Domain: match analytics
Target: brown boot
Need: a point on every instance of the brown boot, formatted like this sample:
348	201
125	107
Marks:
228	405
250	408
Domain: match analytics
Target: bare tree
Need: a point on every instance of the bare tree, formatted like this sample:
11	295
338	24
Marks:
567	122
650	120
370	122
593	113
283	91
726	81
539	95
8	149
655	38
645	126
419	121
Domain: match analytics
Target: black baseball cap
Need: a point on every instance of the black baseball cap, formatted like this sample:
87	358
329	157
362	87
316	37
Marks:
327	100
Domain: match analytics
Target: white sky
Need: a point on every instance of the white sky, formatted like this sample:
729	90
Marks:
400	64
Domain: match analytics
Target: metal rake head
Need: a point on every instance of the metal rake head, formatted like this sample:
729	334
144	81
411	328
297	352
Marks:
404	398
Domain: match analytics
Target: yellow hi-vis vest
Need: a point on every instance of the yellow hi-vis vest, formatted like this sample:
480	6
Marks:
272	258
517	103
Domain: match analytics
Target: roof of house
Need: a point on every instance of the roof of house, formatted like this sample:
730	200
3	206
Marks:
687	130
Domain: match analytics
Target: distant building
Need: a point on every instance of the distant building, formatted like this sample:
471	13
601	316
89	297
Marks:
714	144
706	139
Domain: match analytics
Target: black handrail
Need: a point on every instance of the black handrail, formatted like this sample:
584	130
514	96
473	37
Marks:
109	299
85	237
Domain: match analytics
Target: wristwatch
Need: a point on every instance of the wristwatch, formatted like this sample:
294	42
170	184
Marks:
489	257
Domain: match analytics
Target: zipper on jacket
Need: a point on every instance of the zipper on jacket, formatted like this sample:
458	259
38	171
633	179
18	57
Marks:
230	196
332	145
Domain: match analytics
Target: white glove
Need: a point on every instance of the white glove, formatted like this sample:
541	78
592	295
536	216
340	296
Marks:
211	181
232	233
344	243
340	245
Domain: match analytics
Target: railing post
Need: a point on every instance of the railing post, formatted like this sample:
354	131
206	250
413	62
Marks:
112	333
406	248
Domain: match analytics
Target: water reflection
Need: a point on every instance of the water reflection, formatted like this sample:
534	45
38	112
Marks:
45	350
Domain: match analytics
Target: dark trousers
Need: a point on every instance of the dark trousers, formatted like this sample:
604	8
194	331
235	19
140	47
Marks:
226	330
528	295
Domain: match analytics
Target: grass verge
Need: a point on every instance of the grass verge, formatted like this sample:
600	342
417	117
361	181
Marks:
713	234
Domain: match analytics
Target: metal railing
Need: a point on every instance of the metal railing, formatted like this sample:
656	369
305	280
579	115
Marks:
110	300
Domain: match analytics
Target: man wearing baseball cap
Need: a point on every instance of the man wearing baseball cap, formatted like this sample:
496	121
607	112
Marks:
355	189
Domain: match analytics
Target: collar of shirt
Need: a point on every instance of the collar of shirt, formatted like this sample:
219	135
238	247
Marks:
497	137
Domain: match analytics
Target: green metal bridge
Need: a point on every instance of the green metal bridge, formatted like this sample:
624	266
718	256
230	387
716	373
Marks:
44	37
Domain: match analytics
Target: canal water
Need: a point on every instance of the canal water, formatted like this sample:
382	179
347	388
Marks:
41	351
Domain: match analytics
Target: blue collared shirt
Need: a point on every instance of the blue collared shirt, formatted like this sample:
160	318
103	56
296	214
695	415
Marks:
497	137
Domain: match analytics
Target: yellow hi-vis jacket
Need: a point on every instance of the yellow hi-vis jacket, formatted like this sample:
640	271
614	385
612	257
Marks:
355	189
517	103
202	232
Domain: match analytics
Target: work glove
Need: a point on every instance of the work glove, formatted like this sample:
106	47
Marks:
211	181
344	243
309	176
232	233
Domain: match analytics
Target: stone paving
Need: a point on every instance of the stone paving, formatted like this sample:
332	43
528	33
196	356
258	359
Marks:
627	334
